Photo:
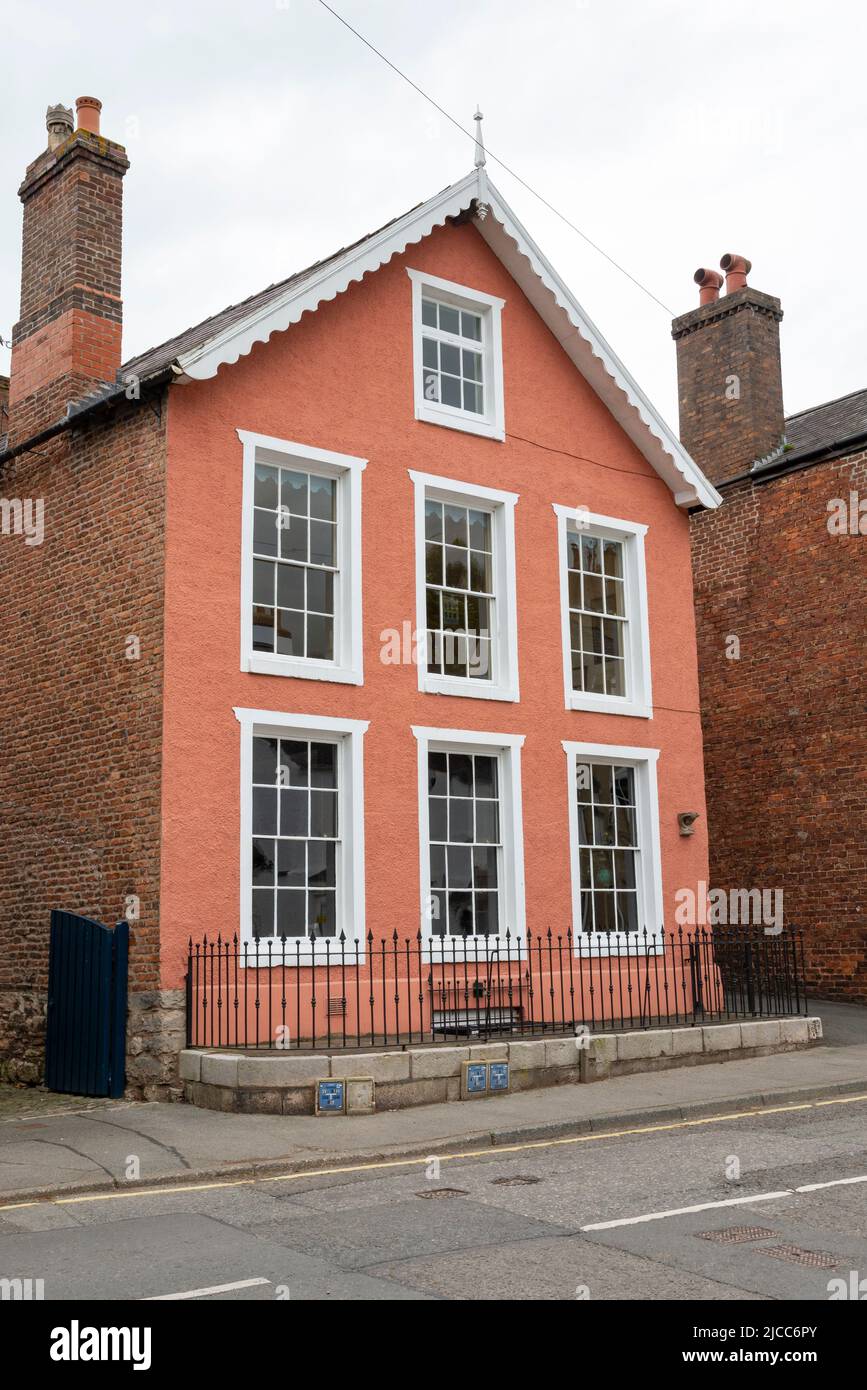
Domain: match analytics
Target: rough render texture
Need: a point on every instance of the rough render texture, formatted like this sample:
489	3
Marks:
784	725
80	776
311	384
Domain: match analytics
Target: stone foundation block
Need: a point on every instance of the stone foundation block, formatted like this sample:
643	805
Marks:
438	1061
282	1070
562	1052
634	1046
793	1030
220	1069
190	1065
725	1037
384	1067
763	1034
686	1041
525	1055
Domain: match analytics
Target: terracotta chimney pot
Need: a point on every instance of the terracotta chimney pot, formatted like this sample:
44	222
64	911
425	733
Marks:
87	111
709	283
737	268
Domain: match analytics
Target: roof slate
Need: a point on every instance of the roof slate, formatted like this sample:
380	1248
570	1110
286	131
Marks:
156	359
822	427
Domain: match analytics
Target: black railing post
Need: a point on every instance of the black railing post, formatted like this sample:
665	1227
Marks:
188	986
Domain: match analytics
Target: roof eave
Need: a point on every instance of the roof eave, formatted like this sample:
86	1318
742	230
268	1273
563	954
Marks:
597	361
238	339
556	305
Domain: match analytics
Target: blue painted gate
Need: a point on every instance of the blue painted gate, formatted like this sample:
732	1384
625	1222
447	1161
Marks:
85	1040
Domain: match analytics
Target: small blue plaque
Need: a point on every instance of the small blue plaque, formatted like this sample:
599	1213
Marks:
331	1096
498	1076
477	1077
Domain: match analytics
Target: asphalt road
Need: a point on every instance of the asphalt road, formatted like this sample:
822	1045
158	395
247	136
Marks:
502	1225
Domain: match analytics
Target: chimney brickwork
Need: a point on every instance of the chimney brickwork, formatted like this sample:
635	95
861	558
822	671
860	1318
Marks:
729	378
67	341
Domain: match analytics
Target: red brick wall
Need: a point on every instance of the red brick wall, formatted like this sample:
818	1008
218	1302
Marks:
784	726
82	724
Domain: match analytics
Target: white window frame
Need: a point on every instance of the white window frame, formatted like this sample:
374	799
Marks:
347	668
503	684
348	734
493	423
649	877
508	748
638	700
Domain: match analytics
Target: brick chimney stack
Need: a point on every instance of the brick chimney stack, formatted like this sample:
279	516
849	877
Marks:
729	378
67	341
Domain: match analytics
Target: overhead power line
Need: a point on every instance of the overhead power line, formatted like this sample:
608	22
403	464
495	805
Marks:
502	163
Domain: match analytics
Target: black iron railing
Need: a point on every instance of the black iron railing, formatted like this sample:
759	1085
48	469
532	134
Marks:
302	994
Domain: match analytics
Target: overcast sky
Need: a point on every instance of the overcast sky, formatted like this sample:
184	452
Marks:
262	136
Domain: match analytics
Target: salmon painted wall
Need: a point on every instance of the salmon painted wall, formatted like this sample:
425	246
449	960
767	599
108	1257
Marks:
342	379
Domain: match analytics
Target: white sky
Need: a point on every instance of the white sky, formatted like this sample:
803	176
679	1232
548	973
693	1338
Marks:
262	136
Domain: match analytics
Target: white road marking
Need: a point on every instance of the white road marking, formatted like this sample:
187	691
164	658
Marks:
838	1182
204	1293
687	1211
728	1202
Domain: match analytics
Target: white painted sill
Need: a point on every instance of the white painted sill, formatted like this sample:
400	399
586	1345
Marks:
312	954
609	704
464	688
259	663
433	415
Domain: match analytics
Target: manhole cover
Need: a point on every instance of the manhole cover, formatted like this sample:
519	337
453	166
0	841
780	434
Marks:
443	1192
811	1259
517	1181
737	1235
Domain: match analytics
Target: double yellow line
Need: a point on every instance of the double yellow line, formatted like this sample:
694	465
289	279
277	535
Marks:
492	1151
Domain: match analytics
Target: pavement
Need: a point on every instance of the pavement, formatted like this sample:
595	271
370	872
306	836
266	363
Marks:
744	1205
49	1151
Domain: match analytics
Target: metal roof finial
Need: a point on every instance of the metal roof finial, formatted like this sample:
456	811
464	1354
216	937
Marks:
480	143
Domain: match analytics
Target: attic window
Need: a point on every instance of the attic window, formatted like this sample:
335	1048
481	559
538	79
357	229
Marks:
457	356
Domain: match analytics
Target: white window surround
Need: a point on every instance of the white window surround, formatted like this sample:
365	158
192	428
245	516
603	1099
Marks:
348	666
508	746
492	424
649	878
348	734
638	700
503	684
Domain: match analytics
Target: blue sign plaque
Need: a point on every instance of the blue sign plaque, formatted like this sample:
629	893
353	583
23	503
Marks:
477	1077
498	1076
331	1096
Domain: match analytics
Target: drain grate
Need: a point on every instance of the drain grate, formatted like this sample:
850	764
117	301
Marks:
737	1235
443	1192
810	1259
519	1180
